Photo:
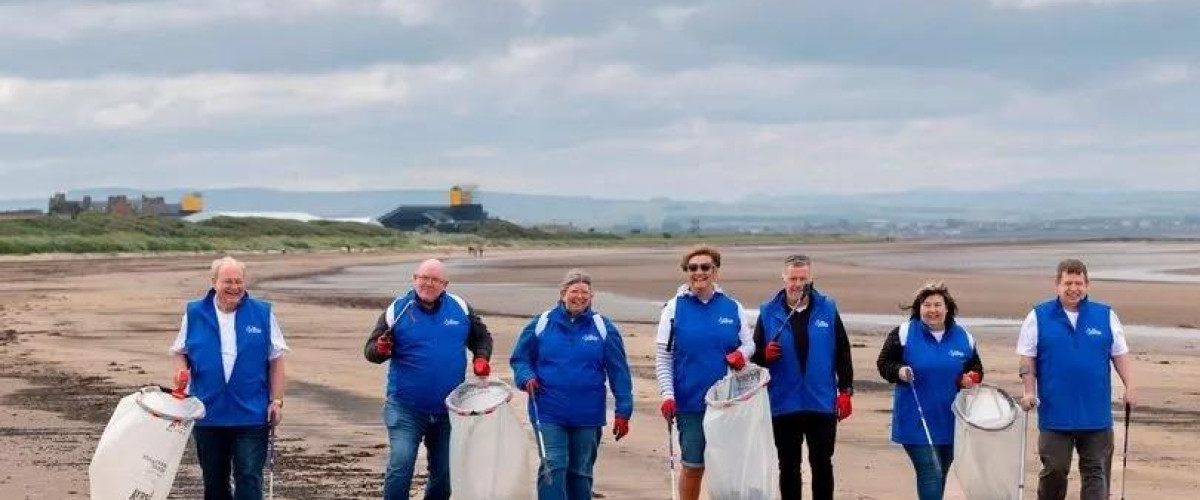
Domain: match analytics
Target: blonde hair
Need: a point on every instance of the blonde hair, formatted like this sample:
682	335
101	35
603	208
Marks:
227	261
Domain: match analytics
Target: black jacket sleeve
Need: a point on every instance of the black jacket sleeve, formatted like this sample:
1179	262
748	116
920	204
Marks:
974	364
381	328
479	339
760	344
843	361
891	357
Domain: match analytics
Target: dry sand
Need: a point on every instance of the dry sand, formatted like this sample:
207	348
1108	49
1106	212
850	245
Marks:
76	334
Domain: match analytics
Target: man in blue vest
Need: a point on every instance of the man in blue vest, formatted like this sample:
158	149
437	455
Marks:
800	338
232	348
422	335
1067	345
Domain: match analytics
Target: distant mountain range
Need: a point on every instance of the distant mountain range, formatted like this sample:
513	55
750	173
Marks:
1022	203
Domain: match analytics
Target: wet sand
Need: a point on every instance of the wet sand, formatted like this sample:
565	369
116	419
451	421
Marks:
77	334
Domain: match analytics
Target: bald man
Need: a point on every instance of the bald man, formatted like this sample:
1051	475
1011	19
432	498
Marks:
422	335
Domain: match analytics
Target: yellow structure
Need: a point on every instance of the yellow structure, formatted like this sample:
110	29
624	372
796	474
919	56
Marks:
462	195
191	203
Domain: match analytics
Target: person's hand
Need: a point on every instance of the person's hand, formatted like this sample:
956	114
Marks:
1028	402
533	386
275	412
482	368
620	427
906	374
1130	396
970	379
383	346
668	408
774	352
736	360
843	405
181	383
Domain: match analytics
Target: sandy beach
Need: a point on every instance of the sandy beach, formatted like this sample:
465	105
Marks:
78	333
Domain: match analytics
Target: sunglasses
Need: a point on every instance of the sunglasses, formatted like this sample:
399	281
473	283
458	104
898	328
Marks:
691	268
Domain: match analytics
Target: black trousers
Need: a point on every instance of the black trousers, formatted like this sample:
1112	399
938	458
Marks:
791	431
1095	450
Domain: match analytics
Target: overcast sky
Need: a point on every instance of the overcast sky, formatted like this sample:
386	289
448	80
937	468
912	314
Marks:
716	100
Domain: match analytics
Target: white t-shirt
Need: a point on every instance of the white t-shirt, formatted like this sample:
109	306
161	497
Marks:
228	333
1027	341
938	334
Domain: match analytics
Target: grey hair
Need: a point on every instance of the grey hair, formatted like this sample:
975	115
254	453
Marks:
575	276
797	260
227	261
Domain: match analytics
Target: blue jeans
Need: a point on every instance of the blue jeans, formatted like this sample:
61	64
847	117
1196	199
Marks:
570	455
931	482
691	439
241	451
406	429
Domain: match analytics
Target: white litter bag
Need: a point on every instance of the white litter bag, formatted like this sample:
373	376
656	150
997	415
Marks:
739	457
139	452
989	439
491	452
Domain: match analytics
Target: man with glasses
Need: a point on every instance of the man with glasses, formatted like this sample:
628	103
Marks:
800	338
422	335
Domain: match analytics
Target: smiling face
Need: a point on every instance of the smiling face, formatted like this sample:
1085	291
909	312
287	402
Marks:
794	280
933	312
430	281
1071	289
577	298
701	274
230	285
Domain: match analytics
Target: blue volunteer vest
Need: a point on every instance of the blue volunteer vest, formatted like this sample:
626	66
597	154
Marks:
704	334
244	399
815	389
1073	367
937	366
428	358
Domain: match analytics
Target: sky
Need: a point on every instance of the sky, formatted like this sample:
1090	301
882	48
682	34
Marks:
718	100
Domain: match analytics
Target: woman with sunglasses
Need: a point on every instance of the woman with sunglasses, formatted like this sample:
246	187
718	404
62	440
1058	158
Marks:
563	359
701	332
930	358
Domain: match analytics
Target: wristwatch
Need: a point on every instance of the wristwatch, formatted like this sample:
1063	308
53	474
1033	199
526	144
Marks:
278	401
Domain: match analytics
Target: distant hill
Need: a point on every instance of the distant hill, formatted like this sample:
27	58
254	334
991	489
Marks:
1015	204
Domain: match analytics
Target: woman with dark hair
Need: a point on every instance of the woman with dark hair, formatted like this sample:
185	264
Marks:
930	358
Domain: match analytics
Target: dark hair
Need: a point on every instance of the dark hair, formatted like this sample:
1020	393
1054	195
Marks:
930	289
701	250
1070	266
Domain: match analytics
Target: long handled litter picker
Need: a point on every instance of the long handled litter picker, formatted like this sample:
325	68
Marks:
544	475
671	457
1024	442
925	425
271	464
1125	451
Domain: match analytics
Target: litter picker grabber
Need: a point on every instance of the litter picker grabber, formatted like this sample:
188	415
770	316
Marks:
271	464
925	425
544	475
671	458
1125	450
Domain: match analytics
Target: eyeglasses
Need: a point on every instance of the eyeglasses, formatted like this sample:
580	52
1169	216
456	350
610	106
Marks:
420	278
706	267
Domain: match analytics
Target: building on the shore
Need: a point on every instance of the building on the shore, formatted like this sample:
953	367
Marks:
123	206
462	214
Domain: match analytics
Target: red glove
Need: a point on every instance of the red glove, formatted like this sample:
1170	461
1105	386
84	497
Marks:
844	407
668	408
774	352
533	386
181	383
736	360
482	368
970	379
620	427
383	345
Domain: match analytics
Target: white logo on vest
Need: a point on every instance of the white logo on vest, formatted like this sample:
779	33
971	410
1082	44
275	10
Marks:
451	322
253	329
